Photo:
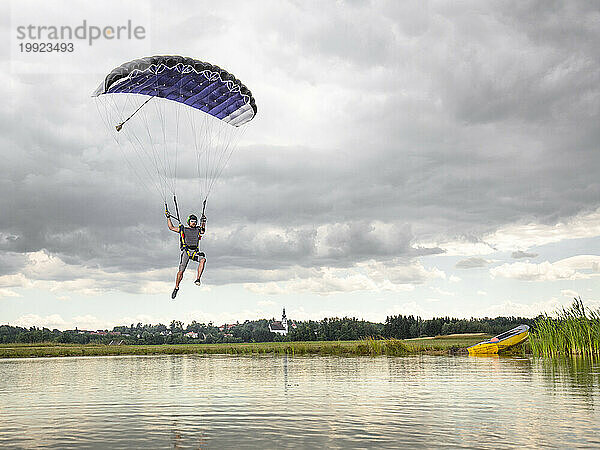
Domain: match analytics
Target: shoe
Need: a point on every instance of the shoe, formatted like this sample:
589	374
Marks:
198	282
174	294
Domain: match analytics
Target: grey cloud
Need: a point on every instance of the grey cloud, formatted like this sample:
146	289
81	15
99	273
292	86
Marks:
10	262
519	254
471	263
439	125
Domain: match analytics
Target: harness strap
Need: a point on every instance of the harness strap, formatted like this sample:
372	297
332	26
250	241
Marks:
194	253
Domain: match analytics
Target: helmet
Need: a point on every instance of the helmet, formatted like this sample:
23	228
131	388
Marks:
192	217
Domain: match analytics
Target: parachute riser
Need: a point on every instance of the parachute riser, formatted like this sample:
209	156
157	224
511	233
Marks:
170	216
176	208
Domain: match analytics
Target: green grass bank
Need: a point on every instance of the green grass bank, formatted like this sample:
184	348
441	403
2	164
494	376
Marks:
364	347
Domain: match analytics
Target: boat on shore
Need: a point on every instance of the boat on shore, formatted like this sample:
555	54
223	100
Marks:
499	343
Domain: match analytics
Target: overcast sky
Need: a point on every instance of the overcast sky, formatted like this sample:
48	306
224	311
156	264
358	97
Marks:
431	158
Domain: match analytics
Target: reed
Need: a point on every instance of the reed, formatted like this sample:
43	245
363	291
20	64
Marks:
574	331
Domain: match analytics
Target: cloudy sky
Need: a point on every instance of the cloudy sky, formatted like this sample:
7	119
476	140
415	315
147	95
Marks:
431	158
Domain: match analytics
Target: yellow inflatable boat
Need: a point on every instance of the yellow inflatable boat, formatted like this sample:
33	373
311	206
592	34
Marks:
501	342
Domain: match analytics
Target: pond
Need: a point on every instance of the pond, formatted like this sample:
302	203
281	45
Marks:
216	401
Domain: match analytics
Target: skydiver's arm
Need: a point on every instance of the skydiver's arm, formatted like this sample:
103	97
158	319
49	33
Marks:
171	226
203	224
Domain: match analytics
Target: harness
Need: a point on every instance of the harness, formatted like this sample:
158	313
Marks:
192	250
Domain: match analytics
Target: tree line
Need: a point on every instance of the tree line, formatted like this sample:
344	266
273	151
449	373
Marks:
328	329
407	327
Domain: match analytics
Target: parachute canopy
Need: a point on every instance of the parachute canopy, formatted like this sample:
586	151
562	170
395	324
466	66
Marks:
180	117
194	83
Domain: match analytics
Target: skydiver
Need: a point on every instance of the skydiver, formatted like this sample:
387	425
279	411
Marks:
189	238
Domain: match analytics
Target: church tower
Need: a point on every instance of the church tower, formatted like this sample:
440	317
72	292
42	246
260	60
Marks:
284	321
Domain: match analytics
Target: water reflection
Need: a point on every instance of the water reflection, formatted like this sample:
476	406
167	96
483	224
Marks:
217	401
578	376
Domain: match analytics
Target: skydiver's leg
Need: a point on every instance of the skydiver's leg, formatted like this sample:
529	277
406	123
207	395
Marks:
178	279
201	266
201	262
183	262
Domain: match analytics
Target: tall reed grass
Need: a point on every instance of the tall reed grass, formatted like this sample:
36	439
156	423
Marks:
574	331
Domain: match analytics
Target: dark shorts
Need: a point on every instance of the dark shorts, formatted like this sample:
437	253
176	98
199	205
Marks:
184	259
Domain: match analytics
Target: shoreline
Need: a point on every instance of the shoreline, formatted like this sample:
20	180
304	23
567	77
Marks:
439	345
